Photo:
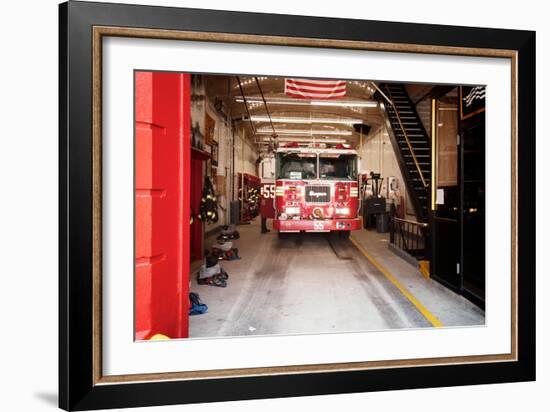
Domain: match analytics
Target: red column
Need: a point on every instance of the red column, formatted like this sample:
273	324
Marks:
162	170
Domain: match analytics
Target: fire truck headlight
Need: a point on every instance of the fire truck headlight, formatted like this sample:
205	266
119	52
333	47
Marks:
292	210
342	211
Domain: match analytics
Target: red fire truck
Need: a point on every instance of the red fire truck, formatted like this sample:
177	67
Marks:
316	189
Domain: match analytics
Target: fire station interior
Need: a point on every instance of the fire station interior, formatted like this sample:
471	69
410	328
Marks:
314	205
416	190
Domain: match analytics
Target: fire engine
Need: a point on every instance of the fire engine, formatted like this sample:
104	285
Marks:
316	189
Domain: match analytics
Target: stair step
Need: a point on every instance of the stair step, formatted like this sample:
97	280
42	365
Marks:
395	121
413	140
409	126
399	132
422	146
404	122
414	145
420	149
408	156
412	134
418	152
401	113
410	131
415	148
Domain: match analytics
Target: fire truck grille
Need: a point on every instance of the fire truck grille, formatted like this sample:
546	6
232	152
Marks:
317	194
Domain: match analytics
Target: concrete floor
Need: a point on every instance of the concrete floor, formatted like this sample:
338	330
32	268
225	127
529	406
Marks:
310	283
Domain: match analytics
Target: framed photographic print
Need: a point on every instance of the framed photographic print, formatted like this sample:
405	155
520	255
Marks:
373	229
210	127
214	154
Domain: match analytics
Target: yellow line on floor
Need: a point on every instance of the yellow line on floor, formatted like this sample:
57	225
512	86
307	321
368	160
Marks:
427	314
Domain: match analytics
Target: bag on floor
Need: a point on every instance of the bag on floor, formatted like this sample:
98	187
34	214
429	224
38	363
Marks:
196	307
219	280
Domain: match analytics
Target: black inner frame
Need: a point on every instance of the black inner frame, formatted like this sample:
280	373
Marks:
76	388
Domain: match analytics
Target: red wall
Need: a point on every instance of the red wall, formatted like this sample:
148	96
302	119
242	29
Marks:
162	171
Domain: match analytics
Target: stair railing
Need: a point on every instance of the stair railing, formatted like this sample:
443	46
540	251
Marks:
409	236
407	139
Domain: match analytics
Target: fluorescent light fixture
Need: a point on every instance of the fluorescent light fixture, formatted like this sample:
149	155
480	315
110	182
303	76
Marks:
290	139
304	102
305	132
302	120
343	103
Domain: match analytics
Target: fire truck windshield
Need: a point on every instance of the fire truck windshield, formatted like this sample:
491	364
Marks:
296	166
337	166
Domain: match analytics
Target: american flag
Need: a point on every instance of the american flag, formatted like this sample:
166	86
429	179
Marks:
315	89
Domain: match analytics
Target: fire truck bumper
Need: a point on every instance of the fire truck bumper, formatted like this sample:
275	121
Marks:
316	225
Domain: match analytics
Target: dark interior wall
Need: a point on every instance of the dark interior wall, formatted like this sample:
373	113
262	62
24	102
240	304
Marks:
458	223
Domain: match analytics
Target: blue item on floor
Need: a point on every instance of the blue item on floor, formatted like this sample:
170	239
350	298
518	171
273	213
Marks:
196	307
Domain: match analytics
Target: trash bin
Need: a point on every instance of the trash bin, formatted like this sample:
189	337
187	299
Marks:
371	207
235	212
382	222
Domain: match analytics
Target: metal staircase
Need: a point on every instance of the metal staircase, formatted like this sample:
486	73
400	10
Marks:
410	142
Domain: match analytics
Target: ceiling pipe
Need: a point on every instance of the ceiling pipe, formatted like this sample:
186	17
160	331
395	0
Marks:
246	104
305	102
304	120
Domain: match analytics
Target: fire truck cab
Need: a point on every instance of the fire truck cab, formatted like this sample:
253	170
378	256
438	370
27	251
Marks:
316	189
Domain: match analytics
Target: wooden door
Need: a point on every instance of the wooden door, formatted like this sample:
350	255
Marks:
162	170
